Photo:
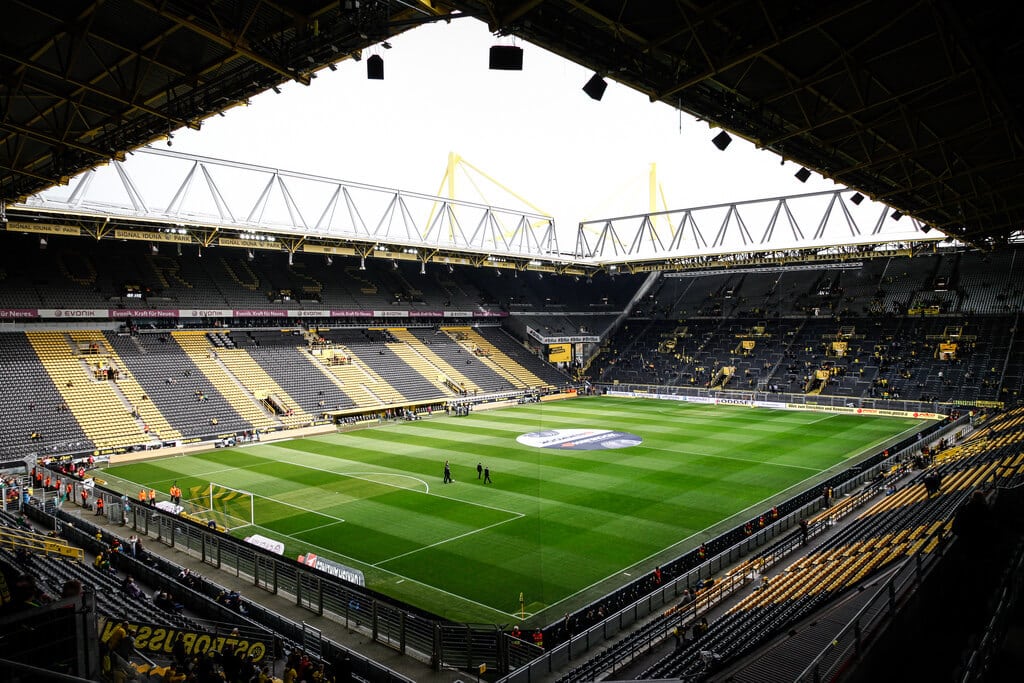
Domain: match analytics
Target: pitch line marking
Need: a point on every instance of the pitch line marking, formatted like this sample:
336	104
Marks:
453	538
198	475
387	571
257	495
355	475
697	534
336	473
322	526
401	488
299	507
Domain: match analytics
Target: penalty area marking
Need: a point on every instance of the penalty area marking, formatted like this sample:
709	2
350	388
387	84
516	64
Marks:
519	515
299	507
387	571
401	488
356	475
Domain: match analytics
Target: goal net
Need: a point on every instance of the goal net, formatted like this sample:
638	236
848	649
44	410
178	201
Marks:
228	507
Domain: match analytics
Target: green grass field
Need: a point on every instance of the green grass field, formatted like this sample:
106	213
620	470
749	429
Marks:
560	526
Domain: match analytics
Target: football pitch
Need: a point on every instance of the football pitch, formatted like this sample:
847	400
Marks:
560	524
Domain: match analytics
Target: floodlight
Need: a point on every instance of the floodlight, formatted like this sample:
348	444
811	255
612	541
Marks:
375	68
507	58
595	87
722	140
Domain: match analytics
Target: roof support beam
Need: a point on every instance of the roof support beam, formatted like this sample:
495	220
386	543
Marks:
190	24
39	135
96	91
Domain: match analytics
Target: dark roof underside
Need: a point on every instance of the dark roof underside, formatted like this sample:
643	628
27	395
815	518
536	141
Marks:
917	105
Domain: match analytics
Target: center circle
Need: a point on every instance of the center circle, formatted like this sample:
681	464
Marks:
580	439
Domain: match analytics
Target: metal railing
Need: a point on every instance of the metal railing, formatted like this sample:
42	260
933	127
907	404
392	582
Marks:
564	653
399	626
160	572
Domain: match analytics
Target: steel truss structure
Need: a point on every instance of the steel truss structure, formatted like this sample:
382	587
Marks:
167	196
820	226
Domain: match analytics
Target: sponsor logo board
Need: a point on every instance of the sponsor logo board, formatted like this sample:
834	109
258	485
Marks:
266	543
72	313
335	569
206	313
11	313
260	313
143	313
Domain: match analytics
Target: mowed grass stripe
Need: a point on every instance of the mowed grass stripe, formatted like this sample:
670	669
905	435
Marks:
554	523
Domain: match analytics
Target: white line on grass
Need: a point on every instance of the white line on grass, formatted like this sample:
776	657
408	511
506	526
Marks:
352	476
299	507
199	475
322	526
355	475
387	571
453	538
698	533
401	488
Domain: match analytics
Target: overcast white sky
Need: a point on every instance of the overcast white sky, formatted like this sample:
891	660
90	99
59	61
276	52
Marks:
536	131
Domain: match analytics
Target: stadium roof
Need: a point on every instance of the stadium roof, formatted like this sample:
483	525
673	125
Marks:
916	105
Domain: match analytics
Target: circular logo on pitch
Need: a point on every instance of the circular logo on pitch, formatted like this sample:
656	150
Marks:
580	439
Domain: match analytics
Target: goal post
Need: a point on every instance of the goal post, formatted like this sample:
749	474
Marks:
226	506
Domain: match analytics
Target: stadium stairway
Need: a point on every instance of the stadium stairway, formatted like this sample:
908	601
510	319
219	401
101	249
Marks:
420	358
132	390
98	406
256	380
849	550
910	521
356	379
332	377
449	350
198	348
517	375
546	374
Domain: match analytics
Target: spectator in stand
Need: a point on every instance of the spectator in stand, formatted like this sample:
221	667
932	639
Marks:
118	636
102	563
139	553
187	578
178	652
132	590
165	601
